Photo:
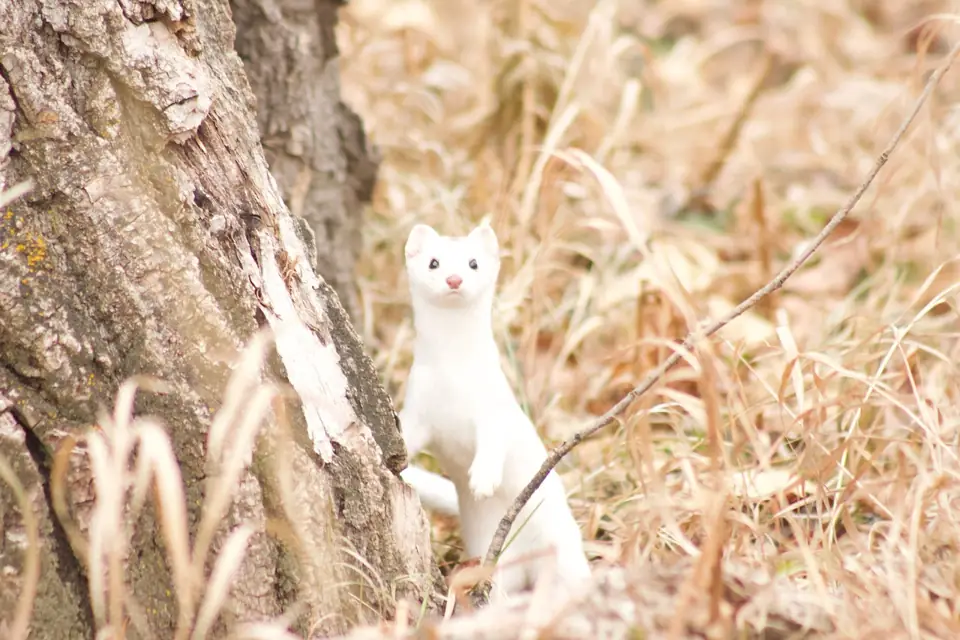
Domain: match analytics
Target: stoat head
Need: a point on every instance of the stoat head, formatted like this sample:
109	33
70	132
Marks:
450	271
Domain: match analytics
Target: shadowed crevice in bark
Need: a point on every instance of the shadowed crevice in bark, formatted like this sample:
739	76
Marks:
68	566
60	559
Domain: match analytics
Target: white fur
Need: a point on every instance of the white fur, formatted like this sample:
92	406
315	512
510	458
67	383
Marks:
460	406
436	492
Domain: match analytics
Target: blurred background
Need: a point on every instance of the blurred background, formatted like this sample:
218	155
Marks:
648	165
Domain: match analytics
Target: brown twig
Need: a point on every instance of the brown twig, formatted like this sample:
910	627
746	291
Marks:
692	338
698	197
732	135
765	243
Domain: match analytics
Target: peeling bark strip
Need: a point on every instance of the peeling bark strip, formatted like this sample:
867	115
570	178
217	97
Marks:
154	242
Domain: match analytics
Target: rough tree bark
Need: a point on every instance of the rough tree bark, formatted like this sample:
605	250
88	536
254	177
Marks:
314	143
155	241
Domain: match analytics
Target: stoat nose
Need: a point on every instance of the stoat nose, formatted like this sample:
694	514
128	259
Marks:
454	282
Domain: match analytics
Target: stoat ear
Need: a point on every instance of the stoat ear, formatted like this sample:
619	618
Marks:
485	235
418	237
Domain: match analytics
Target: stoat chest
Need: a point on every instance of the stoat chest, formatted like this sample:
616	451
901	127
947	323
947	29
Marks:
457	398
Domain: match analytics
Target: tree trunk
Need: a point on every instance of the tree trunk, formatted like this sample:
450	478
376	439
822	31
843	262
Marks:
156	242
315	145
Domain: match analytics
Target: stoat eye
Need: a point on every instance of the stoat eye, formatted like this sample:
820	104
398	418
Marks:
434	264
473	265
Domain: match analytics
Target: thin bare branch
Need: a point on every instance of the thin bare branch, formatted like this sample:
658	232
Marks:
694	337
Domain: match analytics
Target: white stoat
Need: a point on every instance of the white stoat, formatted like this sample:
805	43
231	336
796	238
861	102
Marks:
460	406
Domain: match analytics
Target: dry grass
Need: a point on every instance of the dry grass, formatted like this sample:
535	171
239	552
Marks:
122	489
733	130
132	460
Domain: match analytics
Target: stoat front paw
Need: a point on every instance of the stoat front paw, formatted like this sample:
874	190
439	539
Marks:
483	481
